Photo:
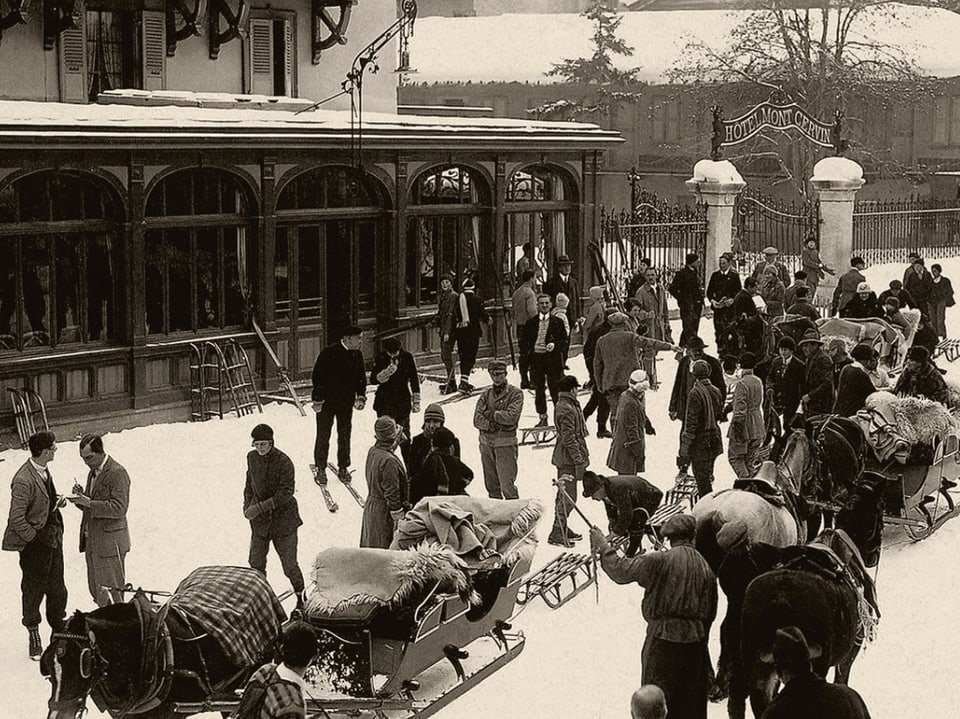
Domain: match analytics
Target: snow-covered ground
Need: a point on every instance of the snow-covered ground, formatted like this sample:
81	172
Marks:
580	661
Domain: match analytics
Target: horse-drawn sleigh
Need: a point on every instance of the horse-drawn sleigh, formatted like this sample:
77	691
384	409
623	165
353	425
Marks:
403	631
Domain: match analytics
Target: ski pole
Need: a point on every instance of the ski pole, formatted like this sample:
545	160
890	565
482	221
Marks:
559	485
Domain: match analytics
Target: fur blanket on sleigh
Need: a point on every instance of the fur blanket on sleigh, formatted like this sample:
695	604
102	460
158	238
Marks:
916	420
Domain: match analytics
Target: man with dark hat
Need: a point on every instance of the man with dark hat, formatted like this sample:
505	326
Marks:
570	457
804	694
398	386
921	378
683	383
784	380
564	282
918	281
470	316
629	501
687	289
388	491
855	385
813	265
790	293
747	429
679	605
422	444
723	287
700	439
496	417
445	323
847	285
541	343
339	387
816	389
269	504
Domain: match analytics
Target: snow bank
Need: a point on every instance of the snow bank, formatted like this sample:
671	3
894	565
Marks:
721	171
837	169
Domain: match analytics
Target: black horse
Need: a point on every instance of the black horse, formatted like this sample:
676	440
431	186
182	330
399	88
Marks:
135	659
830	606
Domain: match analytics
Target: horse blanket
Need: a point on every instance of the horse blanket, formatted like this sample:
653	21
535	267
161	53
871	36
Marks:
236	606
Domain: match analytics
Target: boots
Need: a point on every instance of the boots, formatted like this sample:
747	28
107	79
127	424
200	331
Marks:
543	421
36	648
465	386
603	432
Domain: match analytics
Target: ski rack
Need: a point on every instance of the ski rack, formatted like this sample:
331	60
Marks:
538	437
221	368
560	580
29	413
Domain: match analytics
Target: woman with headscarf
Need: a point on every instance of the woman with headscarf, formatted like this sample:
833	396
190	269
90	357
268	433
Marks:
387	487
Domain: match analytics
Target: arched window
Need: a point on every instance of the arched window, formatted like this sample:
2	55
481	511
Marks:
61	261
446	234
329	223
197	225
541	221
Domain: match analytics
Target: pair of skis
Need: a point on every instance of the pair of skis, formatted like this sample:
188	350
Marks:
328	499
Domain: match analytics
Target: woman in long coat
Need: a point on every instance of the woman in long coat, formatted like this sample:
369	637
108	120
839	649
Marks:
628	449
387	488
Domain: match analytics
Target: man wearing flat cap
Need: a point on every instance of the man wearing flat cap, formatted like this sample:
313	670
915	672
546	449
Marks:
686	287
816	389
570	457
629	501
496	417
269	504
388	490
679	605
771	258
804	694
701	441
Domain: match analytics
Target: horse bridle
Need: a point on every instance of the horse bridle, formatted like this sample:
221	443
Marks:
96	668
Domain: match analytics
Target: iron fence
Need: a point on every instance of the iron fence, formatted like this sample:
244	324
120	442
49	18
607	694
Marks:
653	229
763	221
887	230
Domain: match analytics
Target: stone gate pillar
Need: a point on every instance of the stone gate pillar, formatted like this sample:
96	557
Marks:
716	184
836	180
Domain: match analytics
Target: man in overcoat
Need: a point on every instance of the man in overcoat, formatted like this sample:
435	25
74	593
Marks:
722	288
628	449
746	422
684	380
271	508
816	390
104	534
471	317
847	285
570	457
687	289
653	313
855	384
564	282
445	323
339	387
388	490
398	386
541	342
679	605
629	501
496	417
35	530
784	380
701	441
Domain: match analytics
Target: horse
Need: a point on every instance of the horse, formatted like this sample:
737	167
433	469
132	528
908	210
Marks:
833	603
137	659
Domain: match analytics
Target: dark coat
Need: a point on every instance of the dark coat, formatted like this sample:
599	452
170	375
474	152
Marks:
446	318
941	291
590	346
852	390
103	527
478	316
743	305
927	337
571	288
926	381
571	448
270	481
684	380
338	376
394	394
723	285
846	288
441	474
818	383
804	309
701	437
625	494
783	382
687	289
808	696
420	448
906	299
918	286
628	448
387	491
556	333
860	309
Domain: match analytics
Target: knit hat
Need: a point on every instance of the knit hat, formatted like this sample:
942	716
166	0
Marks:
679	526
811	335
788	343
918	354
863	287
591	483
617	319
562	300
790	648
638	376
385	429
701	369
434	411
443	438
567	383
468	284
262	433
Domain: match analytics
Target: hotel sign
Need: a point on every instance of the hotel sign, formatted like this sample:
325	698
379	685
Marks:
770	115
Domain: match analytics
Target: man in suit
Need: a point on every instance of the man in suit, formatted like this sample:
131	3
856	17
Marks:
816	389
565	283
746	423
398	387
471	316
104	535
35	530
723	287
687	288
542	341
784	379
847	285
339	387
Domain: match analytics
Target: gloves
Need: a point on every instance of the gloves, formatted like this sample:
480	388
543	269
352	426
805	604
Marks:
360	402
683	461
673	415
253	511
648	428
396	515
597	541
268	505
387	372
317	405
415	405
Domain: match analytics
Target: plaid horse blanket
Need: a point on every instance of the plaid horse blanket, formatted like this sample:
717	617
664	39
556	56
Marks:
236	606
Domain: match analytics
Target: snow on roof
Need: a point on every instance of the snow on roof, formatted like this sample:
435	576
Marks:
218	115
524	47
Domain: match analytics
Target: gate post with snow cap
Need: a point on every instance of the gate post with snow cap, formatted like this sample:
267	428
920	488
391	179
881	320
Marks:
716	183
836	180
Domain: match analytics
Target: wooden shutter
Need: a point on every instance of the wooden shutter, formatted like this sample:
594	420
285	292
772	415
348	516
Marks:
261	56
153	42
289	58
72	48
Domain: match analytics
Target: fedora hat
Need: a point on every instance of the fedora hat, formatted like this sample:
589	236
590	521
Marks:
564	260
790	647
811	335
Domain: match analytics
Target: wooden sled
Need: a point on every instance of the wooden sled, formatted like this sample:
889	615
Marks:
537	437
948	349
560	580
29	413
678	500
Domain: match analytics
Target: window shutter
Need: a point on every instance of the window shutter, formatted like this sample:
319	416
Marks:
73	65
153	28
289	59
261	56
